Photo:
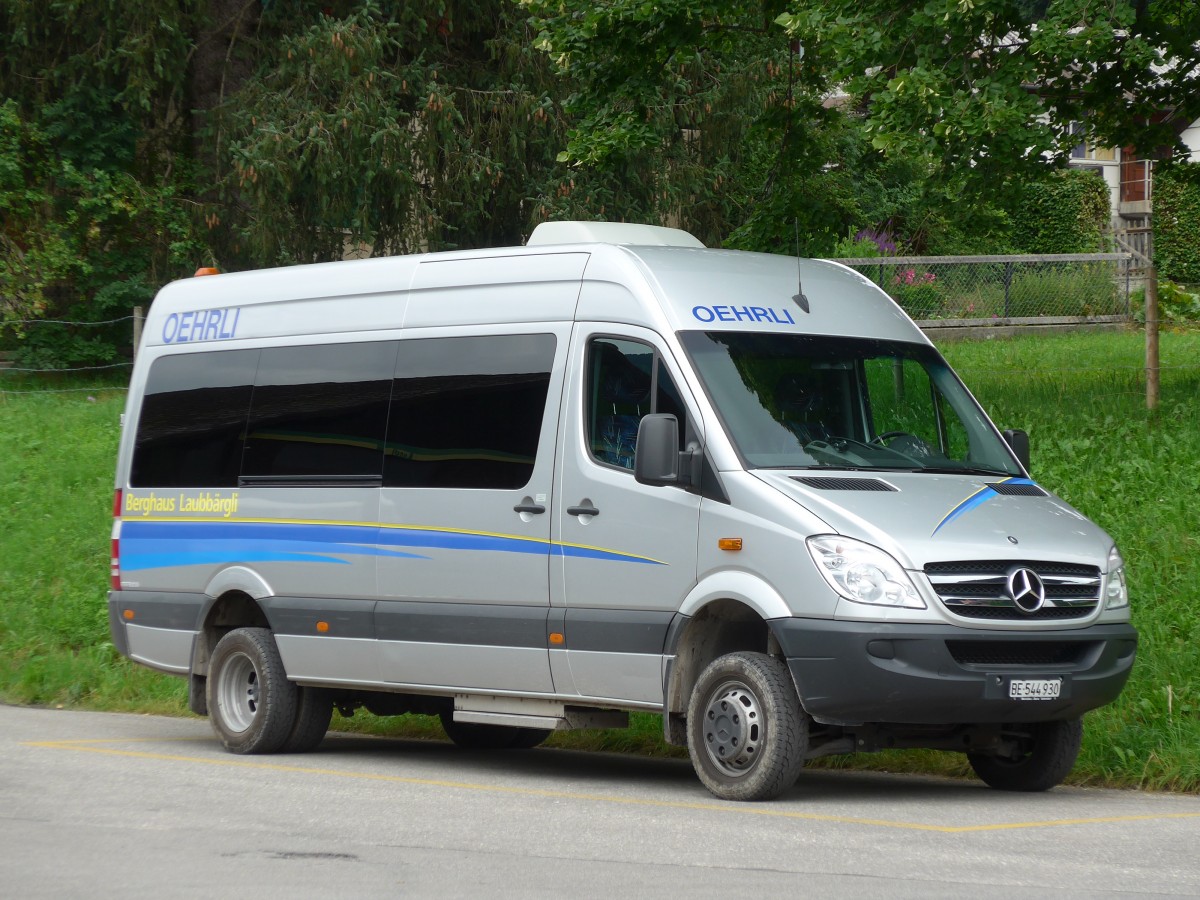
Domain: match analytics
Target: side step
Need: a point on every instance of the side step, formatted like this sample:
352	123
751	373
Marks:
550	715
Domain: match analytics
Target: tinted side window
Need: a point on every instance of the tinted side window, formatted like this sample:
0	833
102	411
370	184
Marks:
626	381
467	412
193	420
319	411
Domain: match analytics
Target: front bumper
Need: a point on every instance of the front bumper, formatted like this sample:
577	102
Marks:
851	673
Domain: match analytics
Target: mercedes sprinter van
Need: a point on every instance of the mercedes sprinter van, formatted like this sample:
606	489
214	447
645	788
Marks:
538	488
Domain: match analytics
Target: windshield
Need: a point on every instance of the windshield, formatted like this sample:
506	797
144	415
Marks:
799	401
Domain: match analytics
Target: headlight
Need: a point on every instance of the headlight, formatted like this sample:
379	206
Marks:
863	573
1116	593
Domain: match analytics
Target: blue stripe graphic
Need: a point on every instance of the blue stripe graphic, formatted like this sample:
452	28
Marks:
162	544
977	499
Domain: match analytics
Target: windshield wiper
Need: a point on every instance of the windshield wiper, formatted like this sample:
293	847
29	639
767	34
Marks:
965	470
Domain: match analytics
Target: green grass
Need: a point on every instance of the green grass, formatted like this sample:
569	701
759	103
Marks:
1080	397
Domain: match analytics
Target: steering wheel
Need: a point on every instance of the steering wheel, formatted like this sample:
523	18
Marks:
882	439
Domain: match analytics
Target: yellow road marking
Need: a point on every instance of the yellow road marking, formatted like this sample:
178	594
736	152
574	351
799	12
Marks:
746	809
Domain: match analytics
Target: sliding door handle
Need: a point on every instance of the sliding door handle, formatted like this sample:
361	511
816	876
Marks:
588	510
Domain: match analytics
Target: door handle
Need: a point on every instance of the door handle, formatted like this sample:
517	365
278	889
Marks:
528	506
582	510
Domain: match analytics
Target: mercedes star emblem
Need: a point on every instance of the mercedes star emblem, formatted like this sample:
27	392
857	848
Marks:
1027	590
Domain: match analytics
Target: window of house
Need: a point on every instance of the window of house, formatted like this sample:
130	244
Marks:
1085	151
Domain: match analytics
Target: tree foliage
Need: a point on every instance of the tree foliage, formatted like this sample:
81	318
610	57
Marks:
988	86
1067	212
138	140
679	111
1177	222
92	215
394	127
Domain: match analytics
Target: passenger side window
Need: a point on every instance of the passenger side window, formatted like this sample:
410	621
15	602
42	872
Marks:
320	411
193	420
466	412
626	381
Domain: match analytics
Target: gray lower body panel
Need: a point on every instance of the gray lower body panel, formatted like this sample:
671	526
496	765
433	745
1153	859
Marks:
605	656
156	629
164	649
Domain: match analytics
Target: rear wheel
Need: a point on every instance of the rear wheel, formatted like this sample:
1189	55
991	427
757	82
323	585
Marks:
251	703
747	735
1044	755
314	709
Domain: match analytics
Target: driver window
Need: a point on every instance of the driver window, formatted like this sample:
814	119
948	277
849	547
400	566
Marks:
626	381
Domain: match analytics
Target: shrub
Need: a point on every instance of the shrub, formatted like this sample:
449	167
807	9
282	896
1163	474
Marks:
1177	222
917	291
1065	213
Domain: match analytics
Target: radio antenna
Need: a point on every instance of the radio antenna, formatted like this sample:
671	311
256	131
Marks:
799	298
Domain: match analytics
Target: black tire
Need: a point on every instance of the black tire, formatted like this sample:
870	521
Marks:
528	738
747	735
1046	754
251	703
473	736
314	709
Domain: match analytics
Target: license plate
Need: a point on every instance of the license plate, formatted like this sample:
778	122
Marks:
1034	688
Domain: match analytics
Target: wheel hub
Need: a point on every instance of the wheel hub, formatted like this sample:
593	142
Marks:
733	729
238	691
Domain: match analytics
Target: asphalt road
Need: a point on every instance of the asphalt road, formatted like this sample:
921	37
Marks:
95	804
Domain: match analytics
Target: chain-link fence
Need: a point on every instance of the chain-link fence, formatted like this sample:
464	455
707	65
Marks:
1084	286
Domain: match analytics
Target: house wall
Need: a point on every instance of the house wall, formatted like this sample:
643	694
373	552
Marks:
1191	139
1111	173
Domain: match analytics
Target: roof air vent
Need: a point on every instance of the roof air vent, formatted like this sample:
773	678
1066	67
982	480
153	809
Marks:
610	233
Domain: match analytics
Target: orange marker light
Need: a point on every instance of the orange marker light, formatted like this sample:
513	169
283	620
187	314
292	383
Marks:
322	627
206	270
729	543
128	614
556	637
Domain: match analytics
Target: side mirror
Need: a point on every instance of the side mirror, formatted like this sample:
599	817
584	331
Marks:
1018	440
657	459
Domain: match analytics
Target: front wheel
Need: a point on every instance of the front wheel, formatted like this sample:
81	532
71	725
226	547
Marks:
1043	756
747	735
251	703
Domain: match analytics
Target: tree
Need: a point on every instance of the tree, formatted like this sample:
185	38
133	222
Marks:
991	87
695	114
392	126
710	116
140	139
91	216
994	86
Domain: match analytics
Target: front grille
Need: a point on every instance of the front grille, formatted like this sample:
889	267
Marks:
978	589
1020	653
1008	613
